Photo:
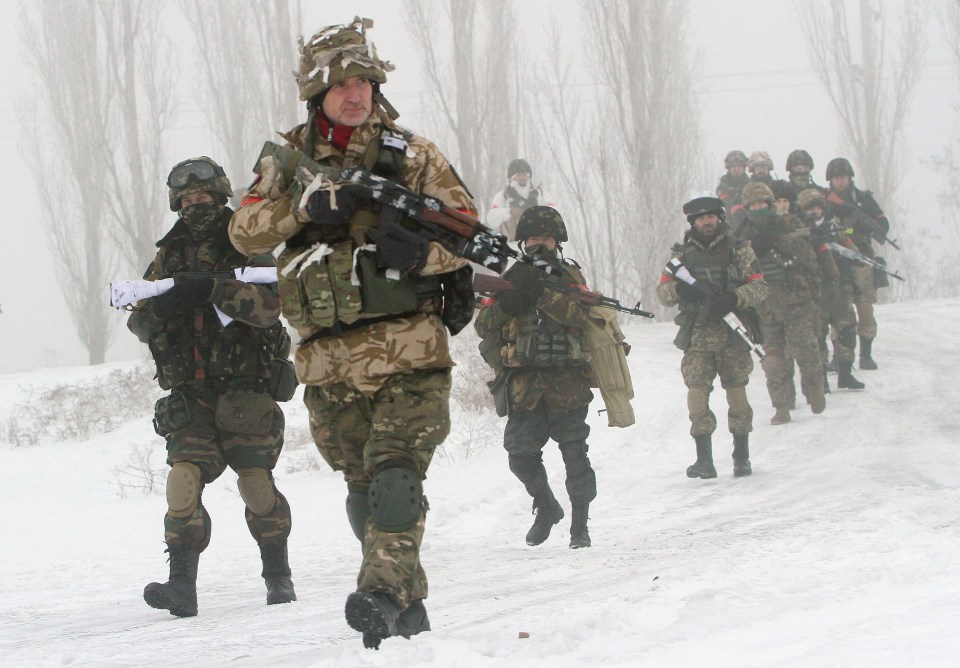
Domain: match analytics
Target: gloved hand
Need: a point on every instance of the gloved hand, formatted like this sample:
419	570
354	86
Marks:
185	295
687	293
321	209
398	248
526	280
514	302
763	241
720	305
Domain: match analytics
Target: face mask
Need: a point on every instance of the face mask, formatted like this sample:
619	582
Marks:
202	219
540	250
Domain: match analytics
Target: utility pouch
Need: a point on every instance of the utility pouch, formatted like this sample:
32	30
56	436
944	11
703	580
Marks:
283	380
880	278
383	295
500	389
684	336
459	299
170	414
490	348
245	412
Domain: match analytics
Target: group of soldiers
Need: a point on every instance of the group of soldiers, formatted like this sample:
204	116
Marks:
373	299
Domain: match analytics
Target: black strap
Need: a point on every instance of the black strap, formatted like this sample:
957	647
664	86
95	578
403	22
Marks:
340	327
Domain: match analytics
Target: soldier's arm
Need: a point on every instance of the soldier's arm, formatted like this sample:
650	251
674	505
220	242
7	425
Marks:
667	286
490	319
753	290
143	322
254	304
267	216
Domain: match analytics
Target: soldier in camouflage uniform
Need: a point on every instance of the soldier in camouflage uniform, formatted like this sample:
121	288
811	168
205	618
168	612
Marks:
728	279
760	167
799	167
518	195
732	183
785	202
789	315
861	219
531	338
220	348
366	294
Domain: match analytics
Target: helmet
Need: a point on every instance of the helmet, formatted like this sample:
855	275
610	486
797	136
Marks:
760	159
809	198
336	53
540	221
703	203
735	158
517	166
756	192
196	175
783	190
799	157
839	167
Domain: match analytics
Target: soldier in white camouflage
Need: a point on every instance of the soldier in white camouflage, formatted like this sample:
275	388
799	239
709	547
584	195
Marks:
789	314
366	293
220	348
518	195
728	279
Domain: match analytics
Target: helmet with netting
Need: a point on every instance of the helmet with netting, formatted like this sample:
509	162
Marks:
839	167
540	221
756	191
809	198
799	157
337	53
760	159
701	204
735	158
196	175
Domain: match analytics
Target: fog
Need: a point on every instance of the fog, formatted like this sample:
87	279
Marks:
754	84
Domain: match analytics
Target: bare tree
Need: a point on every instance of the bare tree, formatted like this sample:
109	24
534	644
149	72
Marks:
95	134
479	103
248	52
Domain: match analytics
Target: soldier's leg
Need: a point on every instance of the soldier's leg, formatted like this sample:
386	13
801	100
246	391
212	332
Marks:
570	431
780	384
801	331
735	367
699	369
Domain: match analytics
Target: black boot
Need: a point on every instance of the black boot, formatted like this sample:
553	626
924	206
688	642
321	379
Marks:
826	383
374	614
276	573
741	456
548	511
413	620
179	593
703	467
866	361
845	379
579	536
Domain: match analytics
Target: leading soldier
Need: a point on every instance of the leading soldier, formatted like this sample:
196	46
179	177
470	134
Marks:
222	352
367	295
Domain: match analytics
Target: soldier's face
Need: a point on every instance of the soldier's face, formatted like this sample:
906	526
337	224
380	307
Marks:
195	198
349	102
782	205
736	170
707	224
521	178
840	183
549	242
813	213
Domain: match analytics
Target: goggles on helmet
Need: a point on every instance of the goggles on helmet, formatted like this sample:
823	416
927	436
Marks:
198	170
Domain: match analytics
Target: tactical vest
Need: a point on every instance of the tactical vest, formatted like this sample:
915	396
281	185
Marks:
713	264
772	266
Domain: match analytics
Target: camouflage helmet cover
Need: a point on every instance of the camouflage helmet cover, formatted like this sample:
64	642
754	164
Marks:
701	204
809	198
799	157
336	53
760	159
517	166
217	184
756	192
540	221
735	158
839	167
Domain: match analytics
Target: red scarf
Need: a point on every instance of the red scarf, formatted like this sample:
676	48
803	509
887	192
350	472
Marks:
337	134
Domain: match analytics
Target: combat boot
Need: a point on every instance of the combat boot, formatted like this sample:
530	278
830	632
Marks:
703	467
845	379
276	573
816	398
374	614
579	536
832	365
741	456
826	383
549	512
413	620
782	416
179	593
866	361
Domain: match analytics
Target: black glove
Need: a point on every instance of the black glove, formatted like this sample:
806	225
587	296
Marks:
763	241
185	295
398	248
526	280
720	305
514	302
687	293
321	211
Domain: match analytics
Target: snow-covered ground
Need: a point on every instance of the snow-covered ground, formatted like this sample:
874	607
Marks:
841	550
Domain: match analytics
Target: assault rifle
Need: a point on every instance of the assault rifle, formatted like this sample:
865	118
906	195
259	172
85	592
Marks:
680	271
486	283
851	254
463	234
861	219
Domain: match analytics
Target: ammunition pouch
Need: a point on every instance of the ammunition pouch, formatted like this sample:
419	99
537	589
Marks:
245	412
171	413
880	278
382	294
684	337
490	350
282	384
500	389
459	299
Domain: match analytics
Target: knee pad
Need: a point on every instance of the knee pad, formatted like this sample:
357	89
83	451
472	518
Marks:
396	499
183	489
256	490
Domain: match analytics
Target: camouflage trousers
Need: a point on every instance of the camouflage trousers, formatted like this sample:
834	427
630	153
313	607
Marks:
239	428
401	423
791	332
527	432
700	367
858	285
842	324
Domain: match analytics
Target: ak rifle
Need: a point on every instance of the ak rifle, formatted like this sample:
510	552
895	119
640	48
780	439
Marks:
851	254
487	284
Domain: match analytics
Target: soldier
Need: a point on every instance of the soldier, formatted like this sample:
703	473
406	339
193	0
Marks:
760	166
220	348
859	215
732	182
531	338
800	167
836	309
518	195
369	297
785	201
728	278
789	314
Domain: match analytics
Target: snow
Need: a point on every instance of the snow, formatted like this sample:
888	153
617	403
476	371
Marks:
840	550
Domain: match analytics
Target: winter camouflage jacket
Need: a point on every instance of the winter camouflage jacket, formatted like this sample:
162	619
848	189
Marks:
363	358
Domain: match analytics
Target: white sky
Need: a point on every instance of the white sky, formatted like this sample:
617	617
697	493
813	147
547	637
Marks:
757	92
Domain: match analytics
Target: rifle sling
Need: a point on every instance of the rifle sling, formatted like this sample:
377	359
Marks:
340	327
